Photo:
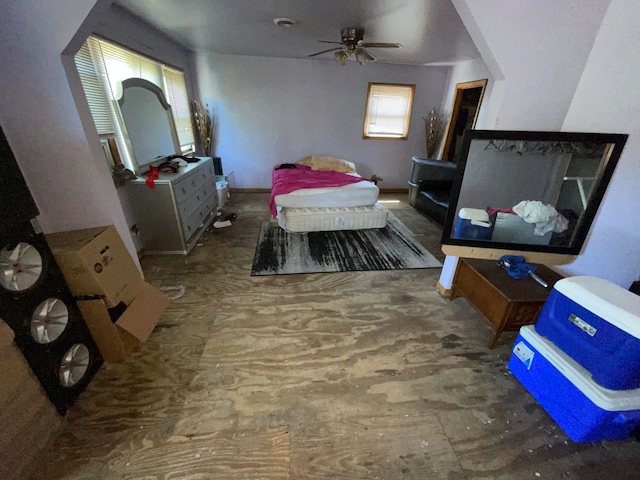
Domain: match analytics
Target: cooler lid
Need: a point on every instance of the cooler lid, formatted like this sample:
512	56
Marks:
605	299
610	400
476	215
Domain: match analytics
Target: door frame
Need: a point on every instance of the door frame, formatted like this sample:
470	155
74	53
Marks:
455	111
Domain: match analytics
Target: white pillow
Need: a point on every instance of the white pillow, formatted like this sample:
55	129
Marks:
323	162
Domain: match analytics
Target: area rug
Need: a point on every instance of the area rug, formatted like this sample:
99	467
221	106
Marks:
391	248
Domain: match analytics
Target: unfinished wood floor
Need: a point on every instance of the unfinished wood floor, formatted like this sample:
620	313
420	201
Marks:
363	375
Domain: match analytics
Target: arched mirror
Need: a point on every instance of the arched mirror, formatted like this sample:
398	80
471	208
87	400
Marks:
528	191
149	123
464	114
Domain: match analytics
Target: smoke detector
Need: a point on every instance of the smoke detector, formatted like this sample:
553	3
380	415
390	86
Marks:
284	22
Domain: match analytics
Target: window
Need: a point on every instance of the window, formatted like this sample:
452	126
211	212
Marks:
388	111
103	66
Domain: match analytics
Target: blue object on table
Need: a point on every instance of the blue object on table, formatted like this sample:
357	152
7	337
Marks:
515	266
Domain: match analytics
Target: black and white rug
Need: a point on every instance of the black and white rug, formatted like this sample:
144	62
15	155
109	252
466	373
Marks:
391	248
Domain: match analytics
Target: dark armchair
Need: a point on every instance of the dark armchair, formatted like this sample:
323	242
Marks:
430	187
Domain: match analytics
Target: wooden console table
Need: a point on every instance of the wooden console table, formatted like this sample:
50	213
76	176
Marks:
507	303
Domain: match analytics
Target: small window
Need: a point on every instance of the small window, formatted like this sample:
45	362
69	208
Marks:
388	111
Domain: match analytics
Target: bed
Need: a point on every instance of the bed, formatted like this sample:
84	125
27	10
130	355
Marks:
321	193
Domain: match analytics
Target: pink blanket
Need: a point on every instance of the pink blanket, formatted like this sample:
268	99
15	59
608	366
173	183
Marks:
287	180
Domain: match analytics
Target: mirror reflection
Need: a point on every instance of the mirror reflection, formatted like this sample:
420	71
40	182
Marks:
149	123
531	190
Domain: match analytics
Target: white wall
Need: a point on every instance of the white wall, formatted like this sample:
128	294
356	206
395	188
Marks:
67	175
45	116
607	100
120	26
537	52
71	188
273	110
467	72
540	48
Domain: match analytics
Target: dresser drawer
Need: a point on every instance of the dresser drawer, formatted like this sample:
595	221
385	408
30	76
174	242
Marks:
194	201
184	187
191	224
192	181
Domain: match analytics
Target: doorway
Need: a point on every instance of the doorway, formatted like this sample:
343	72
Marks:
464	113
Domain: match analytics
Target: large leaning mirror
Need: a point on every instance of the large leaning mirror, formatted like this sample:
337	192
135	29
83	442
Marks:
528	192
149	123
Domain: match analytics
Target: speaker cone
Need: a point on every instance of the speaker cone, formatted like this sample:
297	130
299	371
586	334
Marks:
74	365
20	267
49	320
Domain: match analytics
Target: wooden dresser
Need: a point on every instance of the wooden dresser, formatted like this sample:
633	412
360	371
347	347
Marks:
173	215
507	303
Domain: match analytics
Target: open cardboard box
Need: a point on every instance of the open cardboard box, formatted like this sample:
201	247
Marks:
145	304
95	261
103	278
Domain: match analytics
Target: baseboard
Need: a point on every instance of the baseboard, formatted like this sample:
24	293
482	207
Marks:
249	190
394	190
444	292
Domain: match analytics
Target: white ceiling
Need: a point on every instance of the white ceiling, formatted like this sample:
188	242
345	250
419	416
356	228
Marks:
430	31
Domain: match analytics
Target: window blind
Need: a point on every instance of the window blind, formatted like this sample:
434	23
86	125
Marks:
388	111
121	64
176	92
93	77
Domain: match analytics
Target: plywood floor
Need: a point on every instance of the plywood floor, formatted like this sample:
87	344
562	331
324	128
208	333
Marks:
362	375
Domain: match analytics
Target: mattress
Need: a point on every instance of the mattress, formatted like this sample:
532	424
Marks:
352	195
327	219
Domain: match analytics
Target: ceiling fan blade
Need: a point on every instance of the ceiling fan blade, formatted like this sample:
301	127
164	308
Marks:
380	45
325	51
328	41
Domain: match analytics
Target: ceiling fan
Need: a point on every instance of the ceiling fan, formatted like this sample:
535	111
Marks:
352	44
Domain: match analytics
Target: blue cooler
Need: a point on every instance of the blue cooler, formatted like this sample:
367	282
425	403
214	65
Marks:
584	410
597	323
472	224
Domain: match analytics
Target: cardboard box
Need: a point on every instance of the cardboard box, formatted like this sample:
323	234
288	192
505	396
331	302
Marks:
95	262
116	340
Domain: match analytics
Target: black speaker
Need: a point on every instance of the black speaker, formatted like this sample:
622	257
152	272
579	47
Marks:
64	358
28	274
37	304
16	202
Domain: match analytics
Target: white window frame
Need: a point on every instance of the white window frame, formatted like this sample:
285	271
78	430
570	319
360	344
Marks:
388	111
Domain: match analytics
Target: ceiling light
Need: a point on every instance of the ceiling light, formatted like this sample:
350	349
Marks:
284	22
361	58
341	57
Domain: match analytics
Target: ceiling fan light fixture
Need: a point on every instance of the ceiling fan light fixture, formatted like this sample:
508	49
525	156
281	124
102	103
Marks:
341	57
284	22
361	58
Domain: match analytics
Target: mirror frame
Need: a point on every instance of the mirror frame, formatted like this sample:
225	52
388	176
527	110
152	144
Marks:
455	111
607	166
142	164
